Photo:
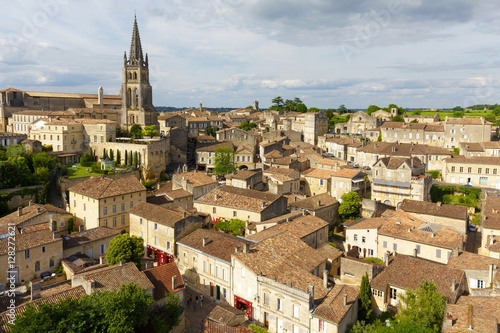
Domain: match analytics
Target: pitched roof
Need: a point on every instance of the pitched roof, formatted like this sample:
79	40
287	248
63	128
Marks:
156	213
402	225
287	260
212	148
235	197
87	236
472	261
466	121
332	308
113	277
195	178
29	240
162	276
73	293
25	214
217	244
371	223
224	314
104	187
319	173
474	160
315	202
473	314
407	272
300	227
491	213
429	208
394	163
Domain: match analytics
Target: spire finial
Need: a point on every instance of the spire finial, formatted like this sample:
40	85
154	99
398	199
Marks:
136	56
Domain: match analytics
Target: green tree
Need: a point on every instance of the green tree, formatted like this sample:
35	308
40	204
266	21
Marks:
150	131
130	159
43	160
118	157
379	138
301	107
235	227
136	131
42	175
342	109
278	102
423	306
458	108
247	125
104	154
349	208
71	225
224	161
125	248
125	163
398	118
372	108
212	130
111	155
165	315
365	295
136	160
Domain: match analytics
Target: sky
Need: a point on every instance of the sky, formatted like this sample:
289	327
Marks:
230	53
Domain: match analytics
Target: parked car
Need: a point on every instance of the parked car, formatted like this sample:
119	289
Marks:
472	228
355	165
367	167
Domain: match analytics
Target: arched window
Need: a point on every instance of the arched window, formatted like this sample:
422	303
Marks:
135	75
129	97
130	76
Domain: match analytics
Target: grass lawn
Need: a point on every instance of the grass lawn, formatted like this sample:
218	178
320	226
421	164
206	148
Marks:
80	172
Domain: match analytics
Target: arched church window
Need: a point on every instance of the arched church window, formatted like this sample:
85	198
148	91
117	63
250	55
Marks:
135	75
129	97
130	76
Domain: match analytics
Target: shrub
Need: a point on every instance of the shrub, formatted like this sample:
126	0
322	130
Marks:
257	329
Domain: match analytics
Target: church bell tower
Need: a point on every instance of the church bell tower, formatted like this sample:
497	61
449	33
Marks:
136	92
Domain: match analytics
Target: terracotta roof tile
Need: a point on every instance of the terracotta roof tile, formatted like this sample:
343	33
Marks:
300	227
408	272
320	173
161	277
156	213
29	240
230	196
429	208
332	308
218	244
472	261
474	160
104	187
491	213
473	314
195	178
315	202
87	236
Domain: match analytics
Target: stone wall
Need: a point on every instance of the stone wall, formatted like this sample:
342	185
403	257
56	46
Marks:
353	269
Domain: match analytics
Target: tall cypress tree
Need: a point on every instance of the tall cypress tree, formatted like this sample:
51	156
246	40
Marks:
118	157
135	160
365	295
126	159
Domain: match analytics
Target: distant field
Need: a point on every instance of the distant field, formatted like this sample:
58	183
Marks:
443	114
80	172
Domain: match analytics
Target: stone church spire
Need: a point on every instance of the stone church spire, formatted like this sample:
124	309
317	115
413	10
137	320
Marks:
135	56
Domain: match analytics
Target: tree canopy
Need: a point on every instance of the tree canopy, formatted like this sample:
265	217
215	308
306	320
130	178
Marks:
235	227
295	104
365	295
125	248
150	130
247	125
128	309
136	131
371	109
224	161
349	208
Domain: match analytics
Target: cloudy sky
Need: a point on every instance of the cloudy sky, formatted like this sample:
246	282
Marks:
415	53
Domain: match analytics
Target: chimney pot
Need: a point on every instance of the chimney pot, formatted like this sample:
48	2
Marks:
345	299
492	239
19	211
205	241
246	248
325	279
236	249
453	284
102	260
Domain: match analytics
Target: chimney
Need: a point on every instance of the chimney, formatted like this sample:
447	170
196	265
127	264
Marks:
236	249
100	97
122	263
35	289
19	211
491	274
311	295
174	282
453	284
246	248
492	239
415	252
38	209
325	279
386	259
102	260
55	235
158	186
319	203
30	203
439	203
263	203
216	196
455	251
345	299
184	214
205	241
81	228
448	320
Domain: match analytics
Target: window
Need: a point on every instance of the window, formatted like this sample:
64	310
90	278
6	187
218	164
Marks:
156	226
483	180
235	213
84	207
105	211
355	237
51	262
185	257
461	169
114	221
168	245
279	304
393	293
156	240
37	266
487	171
479	170
140	221
370	252
321	182
363	239
43	249
205	266
123	207
123	219
103	248
214	210
452	169
296	311
131	204
114	208
394	246
74	203
438	253
62	224
243	272
321	325
480	284
384	244
417	248
266	299
26	254
469	170
494	171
